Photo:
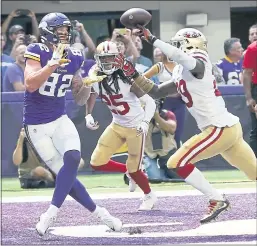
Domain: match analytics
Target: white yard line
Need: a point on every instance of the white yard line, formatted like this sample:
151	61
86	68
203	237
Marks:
128	195
233	243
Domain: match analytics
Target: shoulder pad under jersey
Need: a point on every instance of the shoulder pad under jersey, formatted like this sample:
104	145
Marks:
35	50
76	56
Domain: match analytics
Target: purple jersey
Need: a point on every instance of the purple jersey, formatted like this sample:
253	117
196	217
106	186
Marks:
87	64
48	102
14	74
230	70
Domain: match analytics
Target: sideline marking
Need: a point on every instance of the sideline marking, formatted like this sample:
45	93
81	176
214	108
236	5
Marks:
124	195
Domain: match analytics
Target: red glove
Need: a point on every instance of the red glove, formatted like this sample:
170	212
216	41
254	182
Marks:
145	34
125	65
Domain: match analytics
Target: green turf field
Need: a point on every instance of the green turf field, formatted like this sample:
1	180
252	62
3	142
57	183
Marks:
114	183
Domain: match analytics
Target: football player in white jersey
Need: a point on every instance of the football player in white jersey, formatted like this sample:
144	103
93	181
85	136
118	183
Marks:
221	131
130	121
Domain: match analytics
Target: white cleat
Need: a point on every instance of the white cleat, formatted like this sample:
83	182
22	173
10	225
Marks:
45	221
149	201
132	183
112	222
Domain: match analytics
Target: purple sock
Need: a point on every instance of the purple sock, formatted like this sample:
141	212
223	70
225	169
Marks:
66	177
79	193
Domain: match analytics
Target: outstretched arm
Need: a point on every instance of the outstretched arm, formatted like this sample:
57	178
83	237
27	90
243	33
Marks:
141	82
194	65
167	88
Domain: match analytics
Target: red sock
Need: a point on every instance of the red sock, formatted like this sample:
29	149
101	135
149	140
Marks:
111	166
185	171
140	178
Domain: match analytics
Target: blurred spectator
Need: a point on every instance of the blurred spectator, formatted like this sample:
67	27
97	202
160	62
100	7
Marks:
231	65
14	76
160	145
6	60
102	39
122	37
250	85
253	33
142	62
157	55
32	173
85	39
163	70
18	31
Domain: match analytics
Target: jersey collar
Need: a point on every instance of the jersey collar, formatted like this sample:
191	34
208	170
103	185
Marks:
228	59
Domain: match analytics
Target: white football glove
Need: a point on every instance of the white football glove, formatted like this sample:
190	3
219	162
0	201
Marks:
143	128
91	123
57	57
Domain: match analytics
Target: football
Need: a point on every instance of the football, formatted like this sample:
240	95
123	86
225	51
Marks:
135	16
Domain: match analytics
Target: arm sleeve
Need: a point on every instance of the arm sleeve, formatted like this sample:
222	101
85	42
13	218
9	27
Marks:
188	62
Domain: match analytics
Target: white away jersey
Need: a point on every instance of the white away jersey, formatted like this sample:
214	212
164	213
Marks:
125	106
202	97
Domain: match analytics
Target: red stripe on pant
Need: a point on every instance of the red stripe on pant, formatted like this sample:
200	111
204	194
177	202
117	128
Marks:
198	144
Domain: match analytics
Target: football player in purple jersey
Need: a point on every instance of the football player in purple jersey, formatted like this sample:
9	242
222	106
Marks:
51	68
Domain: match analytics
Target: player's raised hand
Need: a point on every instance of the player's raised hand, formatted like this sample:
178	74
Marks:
91	123
57	57
145	34
93	78
126	66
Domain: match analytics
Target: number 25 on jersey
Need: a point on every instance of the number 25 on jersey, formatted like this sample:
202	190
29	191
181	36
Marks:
121	107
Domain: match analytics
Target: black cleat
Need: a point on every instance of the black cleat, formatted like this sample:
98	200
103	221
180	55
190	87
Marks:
215	208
